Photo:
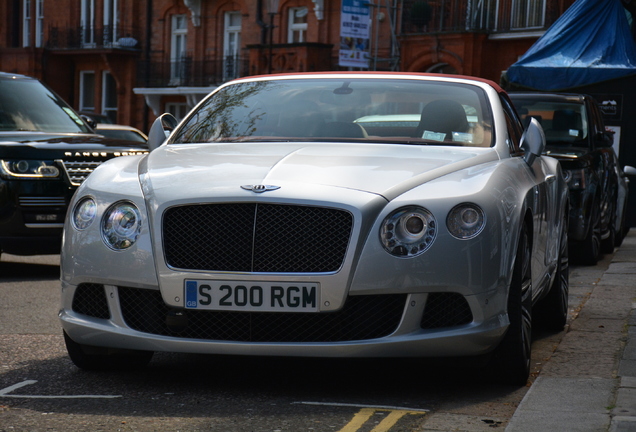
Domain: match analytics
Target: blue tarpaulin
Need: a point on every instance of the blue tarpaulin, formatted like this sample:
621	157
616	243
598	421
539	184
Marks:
590	43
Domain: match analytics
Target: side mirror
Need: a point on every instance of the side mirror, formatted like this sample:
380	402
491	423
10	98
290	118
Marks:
629	170
533	141
160	130
605	139
89	121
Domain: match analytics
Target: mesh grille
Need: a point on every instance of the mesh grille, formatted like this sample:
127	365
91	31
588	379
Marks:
362	318
256	238
446	310
78	171
90	299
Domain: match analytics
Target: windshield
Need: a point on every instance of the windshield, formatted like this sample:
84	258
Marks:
27	105
353	110
564	123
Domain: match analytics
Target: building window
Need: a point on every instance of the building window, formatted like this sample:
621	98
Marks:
297	27
231	45
26	23
109	96
528	14
39	23
87	91
178	46
111	21
179	110
88	22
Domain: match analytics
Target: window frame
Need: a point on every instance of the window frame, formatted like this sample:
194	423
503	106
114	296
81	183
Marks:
294	28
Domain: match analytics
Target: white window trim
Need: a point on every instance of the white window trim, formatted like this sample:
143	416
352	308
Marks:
111	21
39	23
228	29
293	27
88	28
26	23
82	90
106	109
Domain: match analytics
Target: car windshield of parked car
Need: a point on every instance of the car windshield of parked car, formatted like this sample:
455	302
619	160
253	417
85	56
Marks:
27	105
564	123
401	111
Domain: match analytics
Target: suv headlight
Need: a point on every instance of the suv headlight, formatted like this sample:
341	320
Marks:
29	169
121	225
408	231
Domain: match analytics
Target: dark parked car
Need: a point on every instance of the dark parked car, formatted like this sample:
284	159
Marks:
46	152
576	136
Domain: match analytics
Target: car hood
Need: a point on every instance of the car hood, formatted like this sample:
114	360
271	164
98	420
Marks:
53	146
220	169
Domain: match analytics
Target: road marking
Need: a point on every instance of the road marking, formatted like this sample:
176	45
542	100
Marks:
4	393
367	411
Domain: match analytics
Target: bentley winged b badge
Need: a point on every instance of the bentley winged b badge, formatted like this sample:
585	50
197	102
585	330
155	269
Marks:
260	188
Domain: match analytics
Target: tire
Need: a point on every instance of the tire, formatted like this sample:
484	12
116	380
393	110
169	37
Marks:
511	360
607	244
590	248
551	313
104	359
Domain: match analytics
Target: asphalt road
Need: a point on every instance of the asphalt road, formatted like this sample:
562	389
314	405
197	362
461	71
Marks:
41	390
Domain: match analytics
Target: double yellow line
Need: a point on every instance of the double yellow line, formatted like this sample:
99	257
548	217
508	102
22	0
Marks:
387	423
367	411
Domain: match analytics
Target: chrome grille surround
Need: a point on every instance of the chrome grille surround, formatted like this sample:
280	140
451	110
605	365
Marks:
77	171
251	237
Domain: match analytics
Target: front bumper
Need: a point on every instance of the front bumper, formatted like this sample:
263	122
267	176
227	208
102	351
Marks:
405	331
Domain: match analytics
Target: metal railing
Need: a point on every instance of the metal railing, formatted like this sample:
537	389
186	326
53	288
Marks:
188	72
93	37
491	16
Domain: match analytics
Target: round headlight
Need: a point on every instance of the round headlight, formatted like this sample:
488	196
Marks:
121	225
466	221
84	213
408	232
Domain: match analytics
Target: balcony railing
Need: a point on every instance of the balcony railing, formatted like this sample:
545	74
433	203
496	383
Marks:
188	72
93	38
491	16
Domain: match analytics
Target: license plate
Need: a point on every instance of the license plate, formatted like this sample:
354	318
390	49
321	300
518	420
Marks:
252	296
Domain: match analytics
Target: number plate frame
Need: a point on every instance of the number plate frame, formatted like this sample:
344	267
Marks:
251	296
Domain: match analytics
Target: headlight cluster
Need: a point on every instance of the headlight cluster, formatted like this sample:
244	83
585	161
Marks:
29	169
120	226
410	231
465	221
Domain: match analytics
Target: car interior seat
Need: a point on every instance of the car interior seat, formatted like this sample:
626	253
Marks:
443	116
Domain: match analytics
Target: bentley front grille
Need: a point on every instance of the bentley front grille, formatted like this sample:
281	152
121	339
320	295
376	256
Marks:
361	318
252	237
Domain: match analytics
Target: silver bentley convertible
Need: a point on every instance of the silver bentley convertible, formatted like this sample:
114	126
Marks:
323	215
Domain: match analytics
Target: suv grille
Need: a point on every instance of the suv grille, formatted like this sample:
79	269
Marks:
361	318
256	238
78	170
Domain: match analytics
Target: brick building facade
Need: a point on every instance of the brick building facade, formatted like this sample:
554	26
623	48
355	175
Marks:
134	59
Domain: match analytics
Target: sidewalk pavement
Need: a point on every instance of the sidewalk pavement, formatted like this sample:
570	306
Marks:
589	384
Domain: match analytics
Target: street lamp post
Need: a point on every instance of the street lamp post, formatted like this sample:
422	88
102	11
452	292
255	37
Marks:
272	9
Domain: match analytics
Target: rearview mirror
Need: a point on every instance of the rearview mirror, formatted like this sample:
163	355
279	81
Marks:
533	141
160	130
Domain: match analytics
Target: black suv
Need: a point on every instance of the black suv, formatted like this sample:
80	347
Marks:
576	136
46	151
